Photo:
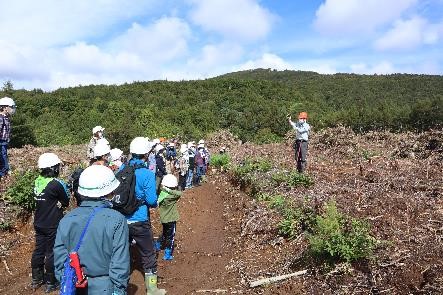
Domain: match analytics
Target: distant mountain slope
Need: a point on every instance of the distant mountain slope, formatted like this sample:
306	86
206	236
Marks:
251	104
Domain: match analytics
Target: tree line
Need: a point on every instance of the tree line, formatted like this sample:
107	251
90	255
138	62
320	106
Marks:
251	104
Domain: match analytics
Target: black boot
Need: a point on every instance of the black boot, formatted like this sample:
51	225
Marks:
37	278
51	283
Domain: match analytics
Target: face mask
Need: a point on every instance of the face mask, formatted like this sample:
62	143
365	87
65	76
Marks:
100	134
301	121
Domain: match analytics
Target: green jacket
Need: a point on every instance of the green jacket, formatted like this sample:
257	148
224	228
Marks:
167	205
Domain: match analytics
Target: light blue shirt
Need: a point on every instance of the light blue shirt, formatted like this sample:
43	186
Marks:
302	130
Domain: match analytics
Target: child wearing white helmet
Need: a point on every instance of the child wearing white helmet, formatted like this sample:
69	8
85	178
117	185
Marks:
167	204
51	195
97	133
104	249
7	109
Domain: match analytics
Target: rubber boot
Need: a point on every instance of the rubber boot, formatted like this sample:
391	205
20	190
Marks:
157	245
168	254
51	283
151	285
37	278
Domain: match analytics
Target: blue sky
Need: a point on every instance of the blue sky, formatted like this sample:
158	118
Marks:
50	44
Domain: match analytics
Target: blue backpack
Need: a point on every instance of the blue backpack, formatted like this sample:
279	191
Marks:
69	278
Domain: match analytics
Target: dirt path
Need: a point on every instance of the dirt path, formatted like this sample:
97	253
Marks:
200	258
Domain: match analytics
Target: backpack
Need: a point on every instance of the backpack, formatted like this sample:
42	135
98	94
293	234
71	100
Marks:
73	276
125	200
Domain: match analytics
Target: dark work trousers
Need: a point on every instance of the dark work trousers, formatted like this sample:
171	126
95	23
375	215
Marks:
43	254
4	163
301	150
167	238
182	181
141	232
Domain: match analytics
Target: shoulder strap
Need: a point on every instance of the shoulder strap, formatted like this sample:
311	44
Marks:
86	227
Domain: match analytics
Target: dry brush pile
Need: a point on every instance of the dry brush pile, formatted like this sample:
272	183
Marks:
391	181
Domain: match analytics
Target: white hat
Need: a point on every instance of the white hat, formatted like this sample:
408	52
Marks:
156	141
201	141
47	160
97	181
159	147
7	101
116	154
97	129
139	146
101	150
171	144
201	146
191	144
169	180
183	148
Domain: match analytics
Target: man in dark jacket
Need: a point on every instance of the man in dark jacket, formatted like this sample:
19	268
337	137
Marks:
104	251
51	195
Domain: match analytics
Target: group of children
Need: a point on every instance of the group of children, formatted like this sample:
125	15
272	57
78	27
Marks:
104	251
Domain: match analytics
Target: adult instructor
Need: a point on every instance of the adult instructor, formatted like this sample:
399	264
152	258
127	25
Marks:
302	129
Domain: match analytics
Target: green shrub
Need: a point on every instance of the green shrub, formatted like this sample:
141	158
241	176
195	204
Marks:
288	228
264	197
250	165
278	202
6	225
341	237
21	193
368	155
220	161
279	177
298	179
296	219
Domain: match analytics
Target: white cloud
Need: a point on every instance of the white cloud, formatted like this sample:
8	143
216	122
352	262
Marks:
343	17
266	61
241	20
47	23
164	40
409	34
215	55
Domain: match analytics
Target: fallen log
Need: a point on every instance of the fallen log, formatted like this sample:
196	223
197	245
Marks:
276	279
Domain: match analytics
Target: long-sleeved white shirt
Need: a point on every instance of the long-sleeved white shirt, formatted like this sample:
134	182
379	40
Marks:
302	130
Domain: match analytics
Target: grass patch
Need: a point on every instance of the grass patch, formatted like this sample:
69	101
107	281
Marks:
220	160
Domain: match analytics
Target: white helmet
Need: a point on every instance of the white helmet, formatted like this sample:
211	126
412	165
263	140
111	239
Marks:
7	101
116	154
139	146
101	150
159	147
169	180
47	160
97	129
201	141
97	181
183	148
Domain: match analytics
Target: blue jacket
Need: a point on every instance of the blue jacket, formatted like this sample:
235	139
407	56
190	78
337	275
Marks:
145	189
104	252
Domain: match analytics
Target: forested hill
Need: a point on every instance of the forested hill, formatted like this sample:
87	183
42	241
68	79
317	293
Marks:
252	104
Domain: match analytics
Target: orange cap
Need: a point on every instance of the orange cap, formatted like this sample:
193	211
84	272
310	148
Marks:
303	115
